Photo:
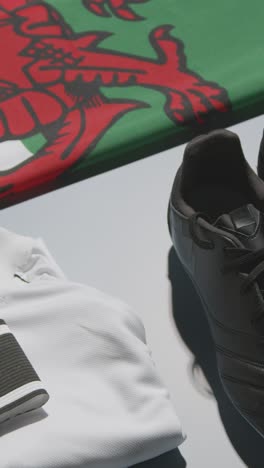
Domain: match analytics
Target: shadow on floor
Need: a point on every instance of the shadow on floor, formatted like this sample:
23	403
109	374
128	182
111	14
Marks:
171	459
193	327
21	421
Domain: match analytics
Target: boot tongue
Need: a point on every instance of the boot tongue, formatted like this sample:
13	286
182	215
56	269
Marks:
246	223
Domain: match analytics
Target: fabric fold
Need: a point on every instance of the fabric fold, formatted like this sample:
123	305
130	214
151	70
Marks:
108	407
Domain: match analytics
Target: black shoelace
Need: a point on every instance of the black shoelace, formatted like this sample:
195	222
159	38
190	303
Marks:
243	261
204	243
251	263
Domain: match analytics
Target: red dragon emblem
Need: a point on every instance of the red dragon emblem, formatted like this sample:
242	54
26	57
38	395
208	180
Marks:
50	81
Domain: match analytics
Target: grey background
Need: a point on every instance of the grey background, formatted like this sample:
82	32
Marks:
110	231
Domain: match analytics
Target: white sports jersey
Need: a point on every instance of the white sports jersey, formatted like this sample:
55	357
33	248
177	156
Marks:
107	406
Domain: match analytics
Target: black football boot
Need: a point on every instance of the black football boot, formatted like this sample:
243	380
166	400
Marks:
261	159
216	221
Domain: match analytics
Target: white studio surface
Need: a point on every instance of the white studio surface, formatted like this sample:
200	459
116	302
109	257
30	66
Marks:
110	232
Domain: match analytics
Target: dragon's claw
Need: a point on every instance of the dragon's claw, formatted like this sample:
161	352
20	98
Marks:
163	32
119	8
98	8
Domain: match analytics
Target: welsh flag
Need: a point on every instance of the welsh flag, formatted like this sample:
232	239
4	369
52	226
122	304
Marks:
88	85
